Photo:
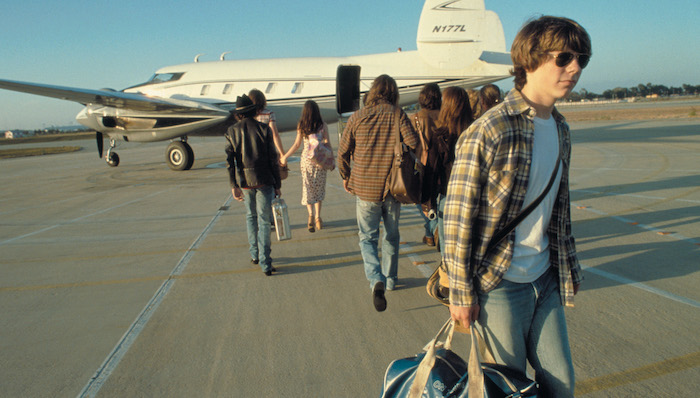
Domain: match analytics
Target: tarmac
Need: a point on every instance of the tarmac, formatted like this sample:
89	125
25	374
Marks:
136	281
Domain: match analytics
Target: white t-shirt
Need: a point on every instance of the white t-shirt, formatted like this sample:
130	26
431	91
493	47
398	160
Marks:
531	252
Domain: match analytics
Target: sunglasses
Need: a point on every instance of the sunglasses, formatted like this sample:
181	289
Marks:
564	58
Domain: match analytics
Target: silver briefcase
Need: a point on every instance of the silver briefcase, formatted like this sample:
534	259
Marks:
281	216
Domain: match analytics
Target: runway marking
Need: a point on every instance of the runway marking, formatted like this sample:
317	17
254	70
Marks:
110	363
634	195
636	375
81	218
315	263
639	285
635	223
424	269
631	282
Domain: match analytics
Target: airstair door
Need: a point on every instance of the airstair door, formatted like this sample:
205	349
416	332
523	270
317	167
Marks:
347	93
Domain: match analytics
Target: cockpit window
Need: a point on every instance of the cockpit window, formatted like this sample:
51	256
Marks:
159	78
164	77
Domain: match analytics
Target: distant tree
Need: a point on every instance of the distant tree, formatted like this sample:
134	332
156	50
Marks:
634	92
574	97
643	92
660	89
619	93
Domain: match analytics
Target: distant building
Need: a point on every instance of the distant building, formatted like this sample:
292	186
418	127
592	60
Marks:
15	134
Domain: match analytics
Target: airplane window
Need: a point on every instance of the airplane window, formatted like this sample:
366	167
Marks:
205	90
228	88
297	88
270	88
165	77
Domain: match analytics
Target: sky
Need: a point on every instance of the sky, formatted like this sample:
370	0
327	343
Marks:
116	44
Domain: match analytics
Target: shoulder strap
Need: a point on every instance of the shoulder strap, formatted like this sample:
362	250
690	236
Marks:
508	228
397	131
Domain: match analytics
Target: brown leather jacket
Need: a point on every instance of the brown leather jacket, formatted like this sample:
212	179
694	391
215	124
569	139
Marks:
251	155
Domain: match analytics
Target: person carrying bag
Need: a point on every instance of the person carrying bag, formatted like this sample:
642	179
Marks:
438	372
405	179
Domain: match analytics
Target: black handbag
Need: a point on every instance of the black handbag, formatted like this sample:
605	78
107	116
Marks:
438	372
405	178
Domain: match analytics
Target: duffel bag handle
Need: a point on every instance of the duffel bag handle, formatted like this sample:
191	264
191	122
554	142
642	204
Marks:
426	365
479	350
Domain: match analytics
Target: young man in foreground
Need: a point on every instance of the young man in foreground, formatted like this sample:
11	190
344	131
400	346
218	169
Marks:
517	291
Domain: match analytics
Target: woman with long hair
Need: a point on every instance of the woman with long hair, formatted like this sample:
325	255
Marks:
455	116
424	122
313	176
489	96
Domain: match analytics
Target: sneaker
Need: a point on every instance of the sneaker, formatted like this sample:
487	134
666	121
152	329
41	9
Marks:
429	240
378	297
268	273
254	261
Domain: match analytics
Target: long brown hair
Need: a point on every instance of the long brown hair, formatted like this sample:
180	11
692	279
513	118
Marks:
456	112
383	88
310	121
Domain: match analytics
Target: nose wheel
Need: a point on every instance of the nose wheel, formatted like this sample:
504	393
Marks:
112	158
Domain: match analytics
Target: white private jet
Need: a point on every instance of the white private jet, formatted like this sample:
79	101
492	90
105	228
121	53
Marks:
459	42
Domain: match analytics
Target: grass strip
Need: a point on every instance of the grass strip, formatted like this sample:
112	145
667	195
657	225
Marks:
18	153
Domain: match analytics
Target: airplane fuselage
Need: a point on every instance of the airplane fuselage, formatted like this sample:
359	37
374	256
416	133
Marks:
287	84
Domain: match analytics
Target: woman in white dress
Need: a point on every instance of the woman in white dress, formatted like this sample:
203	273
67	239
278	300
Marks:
313	176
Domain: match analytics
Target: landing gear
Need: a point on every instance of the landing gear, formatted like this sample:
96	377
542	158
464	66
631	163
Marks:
179	155
112	158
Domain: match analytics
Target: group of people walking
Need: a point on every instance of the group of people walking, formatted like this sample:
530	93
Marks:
255	156
484	163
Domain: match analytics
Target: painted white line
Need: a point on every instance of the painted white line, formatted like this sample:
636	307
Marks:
633	195
110	363
675	235
414	257
79	218
639	285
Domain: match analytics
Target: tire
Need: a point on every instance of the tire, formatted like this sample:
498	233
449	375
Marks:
113	159
178	156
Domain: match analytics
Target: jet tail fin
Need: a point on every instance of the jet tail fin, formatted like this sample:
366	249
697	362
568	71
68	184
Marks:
452	34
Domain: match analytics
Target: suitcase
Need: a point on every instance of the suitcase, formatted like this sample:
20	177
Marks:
281	217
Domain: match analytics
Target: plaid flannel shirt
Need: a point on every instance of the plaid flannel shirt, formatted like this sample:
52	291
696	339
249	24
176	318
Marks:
368	140
486	190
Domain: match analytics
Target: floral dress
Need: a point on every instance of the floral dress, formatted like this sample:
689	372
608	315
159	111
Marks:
313	177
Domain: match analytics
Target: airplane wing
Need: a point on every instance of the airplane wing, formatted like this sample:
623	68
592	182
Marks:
115	99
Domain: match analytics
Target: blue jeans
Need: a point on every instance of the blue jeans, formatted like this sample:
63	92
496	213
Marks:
369	214
441	222
258	204
428	224
525	322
